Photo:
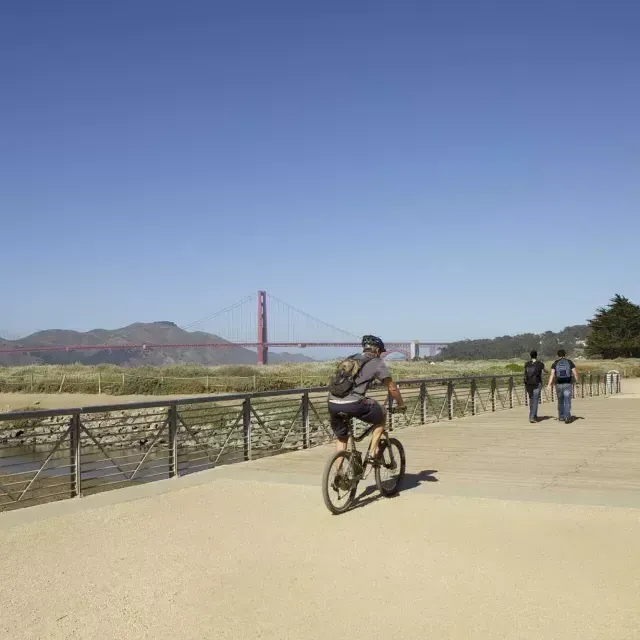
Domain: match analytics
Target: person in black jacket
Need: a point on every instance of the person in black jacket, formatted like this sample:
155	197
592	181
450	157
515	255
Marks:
533	370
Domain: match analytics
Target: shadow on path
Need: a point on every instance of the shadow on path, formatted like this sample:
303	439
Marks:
410	481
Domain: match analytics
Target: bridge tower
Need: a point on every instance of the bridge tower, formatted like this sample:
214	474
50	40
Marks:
262	328
414	350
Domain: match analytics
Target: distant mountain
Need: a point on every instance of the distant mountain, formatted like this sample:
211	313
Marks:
138	333
571	338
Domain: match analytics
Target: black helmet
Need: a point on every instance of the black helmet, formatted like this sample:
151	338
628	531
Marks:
373	341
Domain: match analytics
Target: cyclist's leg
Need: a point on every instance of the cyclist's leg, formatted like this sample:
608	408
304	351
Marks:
339	426
373	413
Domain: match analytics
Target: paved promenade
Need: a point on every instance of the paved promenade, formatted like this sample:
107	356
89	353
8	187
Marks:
504	530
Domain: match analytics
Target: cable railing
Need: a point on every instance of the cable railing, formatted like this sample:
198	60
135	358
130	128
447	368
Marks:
48	455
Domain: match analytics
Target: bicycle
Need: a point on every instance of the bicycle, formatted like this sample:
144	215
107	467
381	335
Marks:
356	470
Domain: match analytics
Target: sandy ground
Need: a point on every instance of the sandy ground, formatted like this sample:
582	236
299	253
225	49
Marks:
235	559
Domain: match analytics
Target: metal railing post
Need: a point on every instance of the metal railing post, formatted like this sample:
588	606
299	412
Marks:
591	385
493	393
389	414
423	403
173	441
473	396
582	386
618	387
306	443
74	455
246	428
450	399
598	383
511	392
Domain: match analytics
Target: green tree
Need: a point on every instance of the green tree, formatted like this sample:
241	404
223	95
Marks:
614	331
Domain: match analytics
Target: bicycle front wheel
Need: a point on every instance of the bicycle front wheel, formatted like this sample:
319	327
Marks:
339	482
390	472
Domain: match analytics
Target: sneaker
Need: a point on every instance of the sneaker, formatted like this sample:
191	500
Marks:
371	461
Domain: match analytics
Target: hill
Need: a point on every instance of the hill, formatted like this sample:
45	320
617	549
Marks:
138	333
505	347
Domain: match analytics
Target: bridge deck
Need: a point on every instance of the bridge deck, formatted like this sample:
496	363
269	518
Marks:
249	550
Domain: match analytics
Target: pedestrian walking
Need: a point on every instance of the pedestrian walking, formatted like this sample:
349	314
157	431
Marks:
533	370
563	373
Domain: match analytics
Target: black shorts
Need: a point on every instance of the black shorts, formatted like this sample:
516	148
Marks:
367	410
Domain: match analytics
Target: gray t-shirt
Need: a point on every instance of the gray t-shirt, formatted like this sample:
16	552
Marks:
375	369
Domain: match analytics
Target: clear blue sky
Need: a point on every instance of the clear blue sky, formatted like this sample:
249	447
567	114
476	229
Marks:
432	169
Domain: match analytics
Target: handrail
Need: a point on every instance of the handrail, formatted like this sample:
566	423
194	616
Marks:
226	397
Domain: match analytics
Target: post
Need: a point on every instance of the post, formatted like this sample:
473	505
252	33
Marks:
206	384
618	383
75	462
32	385
246	428
473	396
511	392
389	413
306	443
591	385
423	403
598	384
582	386
493	394
450	398
263	357
99	383
174	469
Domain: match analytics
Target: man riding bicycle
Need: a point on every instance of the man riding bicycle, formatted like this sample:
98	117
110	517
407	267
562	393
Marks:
355	404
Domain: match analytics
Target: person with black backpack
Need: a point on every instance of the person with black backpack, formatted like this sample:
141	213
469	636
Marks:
533	370
562	372
347	393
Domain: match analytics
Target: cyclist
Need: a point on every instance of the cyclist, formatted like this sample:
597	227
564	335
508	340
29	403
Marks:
356	404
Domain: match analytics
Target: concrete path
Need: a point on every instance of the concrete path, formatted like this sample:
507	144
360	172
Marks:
522	536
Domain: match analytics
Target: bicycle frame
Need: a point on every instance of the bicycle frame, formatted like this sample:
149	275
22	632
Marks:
351	445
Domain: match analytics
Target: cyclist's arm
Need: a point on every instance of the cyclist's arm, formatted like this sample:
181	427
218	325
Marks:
575	375
393	390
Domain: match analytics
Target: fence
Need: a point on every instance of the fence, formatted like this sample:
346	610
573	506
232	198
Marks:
55	454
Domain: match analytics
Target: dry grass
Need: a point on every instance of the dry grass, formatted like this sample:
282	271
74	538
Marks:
192	379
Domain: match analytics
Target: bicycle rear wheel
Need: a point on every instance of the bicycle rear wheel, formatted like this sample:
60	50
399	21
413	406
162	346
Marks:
339	491
393	464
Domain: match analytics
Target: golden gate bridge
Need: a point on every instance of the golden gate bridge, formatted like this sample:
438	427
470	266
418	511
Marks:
257	322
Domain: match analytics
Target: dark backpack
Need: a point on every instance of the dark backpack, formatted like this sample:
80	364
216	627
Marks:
531	373
343	380
563	369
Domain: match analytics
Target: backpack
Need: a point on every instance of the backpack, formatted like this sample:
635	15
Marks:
563	369
343	380
531	373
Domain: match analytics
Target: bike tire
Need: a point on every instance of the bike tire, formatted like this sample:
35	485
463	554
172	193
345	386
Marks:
399	458
327	489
